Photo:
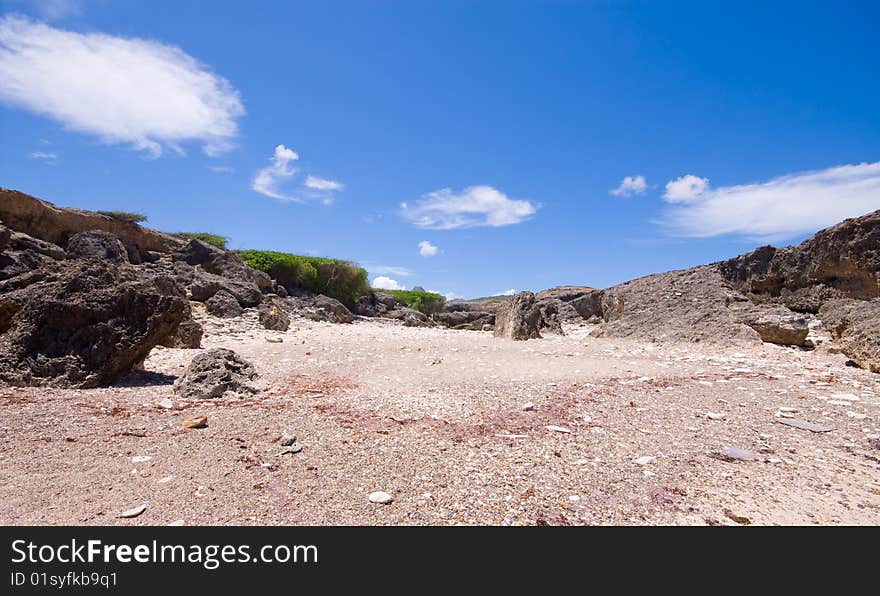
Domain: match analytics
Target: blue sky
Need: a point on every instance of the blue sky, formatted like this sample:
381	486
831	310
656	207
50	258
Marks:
467	147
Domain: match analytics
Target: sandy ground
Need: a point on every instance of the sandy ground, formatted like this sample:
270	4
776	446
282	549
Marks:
439	420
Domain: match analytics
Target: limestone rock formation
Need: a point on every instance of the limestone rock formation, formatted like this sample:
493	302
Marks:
519	318
855	325
97	244
223	304
272	316
82	325
217	373
783	329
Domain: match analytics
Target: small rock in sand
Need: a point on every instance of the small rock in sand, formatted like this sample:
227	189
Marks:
736	453
166	404
139	459
287	438
644	460
557	429
530	407
380	497
714	416
197	422
134	512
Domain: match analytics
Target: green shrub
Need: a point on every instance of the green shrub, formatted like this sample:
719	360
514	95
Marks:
129	216
425	302
336	278
212	239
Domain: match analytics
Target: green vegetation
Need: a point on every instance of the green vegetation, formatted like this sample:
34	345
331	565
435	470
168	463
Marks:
425	302
129	216
338	279
212	239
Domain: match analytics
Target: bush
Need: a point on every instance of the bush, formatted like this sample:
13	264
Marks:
129	216
338	279
425	302
212	239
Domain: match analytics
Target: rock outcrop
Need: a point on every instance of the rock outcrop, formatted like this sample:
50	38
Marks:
519	318
783	329
217	373
272	316
855	325
83	324
224	305
97	244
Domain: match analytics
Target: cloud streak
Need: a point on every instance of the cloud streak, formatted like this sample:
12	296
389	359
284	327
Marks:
426	249
137	92
475	206
386	283
774	210
629	186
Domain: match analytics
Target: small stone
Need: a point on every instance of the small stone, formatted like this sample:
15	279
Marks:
738	454
380	497
857	415
529	407
139	459
557	429
275	340
197	422
134	512
644	460
166	404
165	480
714	416
287	438
177	522
787	410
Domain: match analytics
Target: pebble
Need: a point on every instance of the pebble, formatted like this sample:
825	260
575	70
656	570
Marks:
134	511
715	416
557	429
166	404
177	522
738	454
139	459
530	407
197	422
644	460
380	497
287	438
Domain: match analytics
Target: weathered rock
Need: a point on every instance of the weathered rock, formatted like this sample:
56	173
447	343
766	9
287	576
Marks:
374	304
550	314
196	422
410	317
223	304
463	319
205	285
324	308
97	244
519	318
188	334
784	329
43	220
223	263
855	326
82	325
22	253
217	373
273	317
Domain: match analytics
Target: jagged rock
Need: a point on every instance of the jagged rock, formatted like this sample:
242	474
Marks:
223	263
97	244
329	309
205	285
223	304
784	329
410	317
43	220
217	373
374	304
188	334
519	318
82	325
5	236
19	241
462	319
21	253
855	325
842	261
550	319
273	317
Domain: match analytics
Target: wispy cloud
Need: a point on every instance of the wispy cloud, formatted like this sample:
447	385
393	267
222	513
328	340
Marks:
123	90
323	184
629	186
221	169
386	283
389	270
426	249
474	206
774	210
278	180
509	292
50	158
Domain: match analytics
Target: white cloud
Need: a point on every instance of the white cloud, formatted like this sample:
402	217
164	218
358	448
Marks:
58	9
451	295
124	90
509	292
386	283
685	189
221	169
322	184
390	270
49	158
474	206
630	185
780	208
268	180
426	249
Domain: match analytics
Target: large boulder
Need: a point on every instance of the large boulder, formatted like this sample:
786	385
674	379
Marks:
324	308
785	329
205	285
519	318
84	324
374	304
855	325
97	244
223	305
217	373
188	334
223	263
410	317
